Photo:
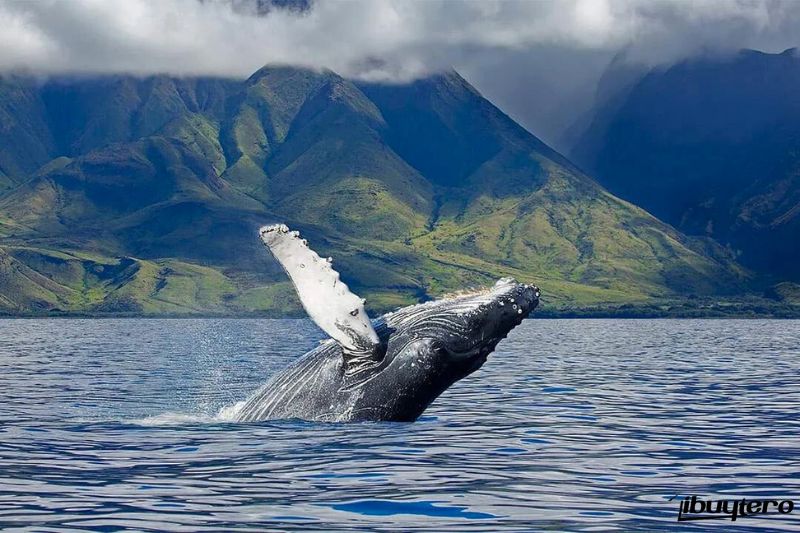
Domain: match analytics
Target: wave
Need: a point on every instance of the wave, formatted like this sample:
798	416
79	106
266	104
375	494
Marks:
226	414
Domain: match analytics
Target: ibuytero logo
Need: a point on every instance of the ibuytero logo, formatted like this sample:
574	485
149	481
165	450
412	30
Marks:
693	508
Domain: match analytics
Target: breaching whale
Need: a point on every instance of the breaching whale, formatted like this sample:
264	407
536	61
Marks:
389	370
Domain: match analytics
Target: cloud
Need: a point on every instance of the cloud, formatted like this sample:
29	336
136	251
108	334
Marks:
538	60
369	39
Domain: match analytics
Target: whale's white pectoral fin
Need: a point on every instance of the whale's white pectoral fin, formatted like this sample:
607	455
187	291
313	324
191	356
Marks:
326	299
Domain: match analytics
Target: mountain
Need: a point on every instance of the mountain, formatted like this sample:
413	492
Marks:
143	195
711	146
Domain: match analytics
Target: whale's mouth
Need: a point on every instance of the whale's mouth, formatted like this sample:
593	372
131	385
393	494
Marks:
474	358
480	322
466	329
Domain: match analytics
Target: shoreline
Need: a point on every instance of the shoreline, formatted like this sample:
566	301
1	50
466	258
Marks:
550	315
742	307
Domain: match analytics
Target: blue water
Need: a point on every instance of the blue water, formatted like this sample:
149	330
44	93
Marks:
572	425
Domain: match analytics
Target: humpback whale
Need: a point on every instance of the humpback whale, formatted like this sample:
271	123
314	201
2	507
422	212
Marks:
389	370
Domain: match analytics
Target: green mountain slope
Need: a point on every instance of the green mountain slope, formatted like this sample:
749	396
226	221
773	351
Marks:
39	280
151	191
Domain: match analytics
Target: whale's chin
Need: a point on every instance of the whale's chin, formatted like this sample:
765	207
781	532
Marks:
464	330
474	325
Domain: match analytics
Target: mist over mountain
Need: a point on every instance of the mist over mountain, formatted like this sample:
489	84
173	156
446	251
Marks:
143	195
712	146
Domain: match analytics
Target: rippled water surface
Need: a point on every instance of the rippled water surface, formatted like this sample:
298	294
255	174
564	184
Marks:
572	425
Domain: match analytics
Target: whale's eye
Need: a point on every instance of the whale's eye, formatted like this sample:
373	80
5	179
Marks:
433	347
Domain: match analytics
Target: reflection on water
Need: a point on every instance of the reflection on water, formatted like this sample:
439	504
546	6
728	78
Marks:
588	425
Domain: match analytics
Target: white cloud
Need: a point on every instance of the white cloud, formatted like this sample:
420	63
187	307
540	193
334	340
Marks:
537	59
374	39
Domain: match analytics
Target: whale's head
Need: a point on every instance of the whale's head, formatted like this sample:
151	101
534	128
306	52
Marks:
454	336
432	345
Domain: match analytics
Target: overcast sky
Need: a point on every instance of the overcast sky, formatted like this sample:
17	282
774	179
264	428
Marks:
538	60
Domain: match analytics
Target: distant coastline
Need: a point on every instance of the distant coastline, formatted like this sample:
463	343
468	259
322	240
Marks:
735	309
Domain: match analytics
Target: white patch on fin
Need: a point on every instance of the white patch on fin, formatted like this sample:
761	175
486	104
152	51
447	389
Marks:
328	301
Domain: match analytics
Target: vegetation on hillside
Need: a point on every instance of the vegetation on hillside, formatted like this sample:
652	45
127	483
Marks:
143	196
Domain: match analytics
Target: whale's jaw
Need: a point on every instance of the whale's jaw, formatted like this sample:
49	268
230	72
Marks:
469	327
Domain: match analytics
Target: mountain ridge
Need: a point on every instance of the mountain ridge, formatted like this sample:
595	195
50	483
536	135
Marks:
416	190
712	146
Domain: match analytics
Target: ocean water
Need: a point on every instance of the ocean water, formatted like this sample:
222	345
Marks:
572	425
